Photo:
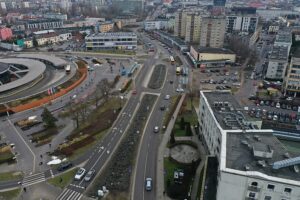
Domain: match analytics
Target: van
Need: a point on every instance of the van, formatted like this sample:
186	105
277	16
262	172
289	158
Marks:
148	184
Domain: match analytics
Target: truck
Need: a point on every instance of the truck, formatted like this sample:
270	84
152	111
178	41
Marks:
68	69
27	123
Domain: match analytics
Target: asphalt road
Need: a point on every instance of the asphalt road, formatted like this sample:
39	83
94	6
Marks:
147	156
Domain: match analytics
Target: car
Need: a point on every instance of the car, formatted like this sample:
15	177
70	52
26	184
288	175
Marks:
167	97
289	98
79	174
162	108
156	129
277	105
134	92
64	166
89	175
179	90
148	184
275	118
74	96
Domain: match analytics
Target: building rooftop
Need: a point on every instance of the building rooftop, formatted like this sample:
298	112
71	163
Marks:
35	69
213	50
56	61
112	34
279	53
284	36
257	151
227	111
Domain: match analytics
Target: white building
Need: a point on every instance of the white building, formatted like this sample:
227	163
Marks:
284	38
253	164
241	23
113	40
156	25
278	61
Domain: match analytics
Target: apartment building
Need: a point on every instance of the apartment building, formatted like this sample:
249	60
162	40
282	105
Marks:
252	163
278	62
284	38
5	33
113	40
212	31
241	23
192	29
43	24
180	24
292	80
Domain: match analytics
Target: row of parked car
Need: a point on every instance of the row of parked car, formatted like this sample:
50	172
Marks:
79	174
277	104
291	118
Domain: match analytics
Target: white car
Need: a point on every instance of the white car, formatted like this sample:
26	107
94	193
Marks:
80	174
277	105
156	129
148	184
167	97
89	175
179	90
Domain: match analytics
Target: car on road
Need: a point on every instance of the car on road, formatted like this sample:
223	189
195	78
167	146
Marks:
148	184
156	129
179	90
167	97
64	166
134	92
89	175
277	105
79	174
162	108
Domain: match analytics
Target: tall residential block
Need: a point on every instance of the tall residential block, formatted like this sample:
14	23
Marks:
212	31
192	29
292	80
180	24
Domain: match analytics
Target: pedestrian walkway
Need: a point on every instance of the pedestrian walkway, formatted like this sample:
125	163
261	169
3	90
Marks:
69	194
33	179
160	195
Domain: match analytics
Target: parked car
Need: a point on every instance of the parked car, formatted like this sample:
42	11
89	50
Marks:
167	97
64	166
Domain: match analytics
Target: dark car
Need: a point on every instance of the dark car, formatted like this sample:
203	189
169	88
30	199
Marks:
64	166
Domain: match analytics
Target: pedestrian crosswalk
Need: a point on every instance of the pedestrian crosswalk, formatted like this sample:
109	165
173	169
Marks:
33	179
69	194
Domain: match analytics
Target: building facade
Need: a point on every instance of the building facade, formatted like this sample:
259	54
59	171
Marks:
292	80
111	41
252	163
278	62
241	24
5	33
212	31
180	23
192	32
43	24
106	27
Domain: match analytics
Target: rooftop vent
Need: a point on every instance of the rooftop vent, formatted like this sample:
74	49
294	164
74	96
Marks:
257	138
247	167
261	163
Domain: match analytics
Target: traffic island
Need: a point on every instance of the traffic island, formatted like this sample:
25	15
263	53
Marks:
158	77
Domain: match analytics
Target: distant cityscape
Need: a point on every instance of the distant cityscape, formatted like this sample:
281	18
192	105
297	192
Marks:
150	99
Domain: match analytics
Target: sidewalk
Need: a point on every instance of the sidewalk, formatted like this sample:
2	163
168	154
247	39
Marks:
161	154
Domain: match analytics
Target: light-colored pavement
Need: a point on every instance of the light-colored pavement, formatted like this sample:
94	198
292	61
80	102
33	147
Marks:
161	154
43	191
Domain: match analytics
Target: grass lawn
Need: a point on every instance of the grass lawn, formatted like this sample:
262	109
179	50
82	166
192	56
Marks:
6	156
11	194
171	109
292	146
178	132
79	152
67	177
7	176
169	168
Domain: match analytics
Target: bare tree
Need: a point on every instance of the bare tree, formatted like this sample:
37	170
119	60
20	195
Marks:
102	91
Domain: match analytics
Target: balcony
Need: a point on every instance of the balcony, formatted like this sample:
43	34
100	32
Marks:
254	188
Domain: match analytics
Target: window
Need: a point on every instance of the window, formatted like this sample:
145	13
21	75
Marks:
254	184
267	198
252	194
287	190
271	187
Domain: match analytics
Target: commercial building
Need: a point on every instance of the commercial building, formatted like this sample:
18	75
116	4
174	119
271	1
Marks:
252	163
278	61
212	31
211	57
156	24
241	23
43	24
104	27
292	80
114	40
284	38
5	33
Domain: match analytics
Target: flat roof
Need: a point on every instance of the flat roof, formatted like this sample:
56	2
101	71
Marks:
284	36
3	67
213	50
257	151
112	34
56	61
279	53
35	69
227	111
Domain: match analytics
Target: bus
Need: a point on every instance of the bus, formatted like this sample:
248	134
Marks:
172	60
68	69
178	71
